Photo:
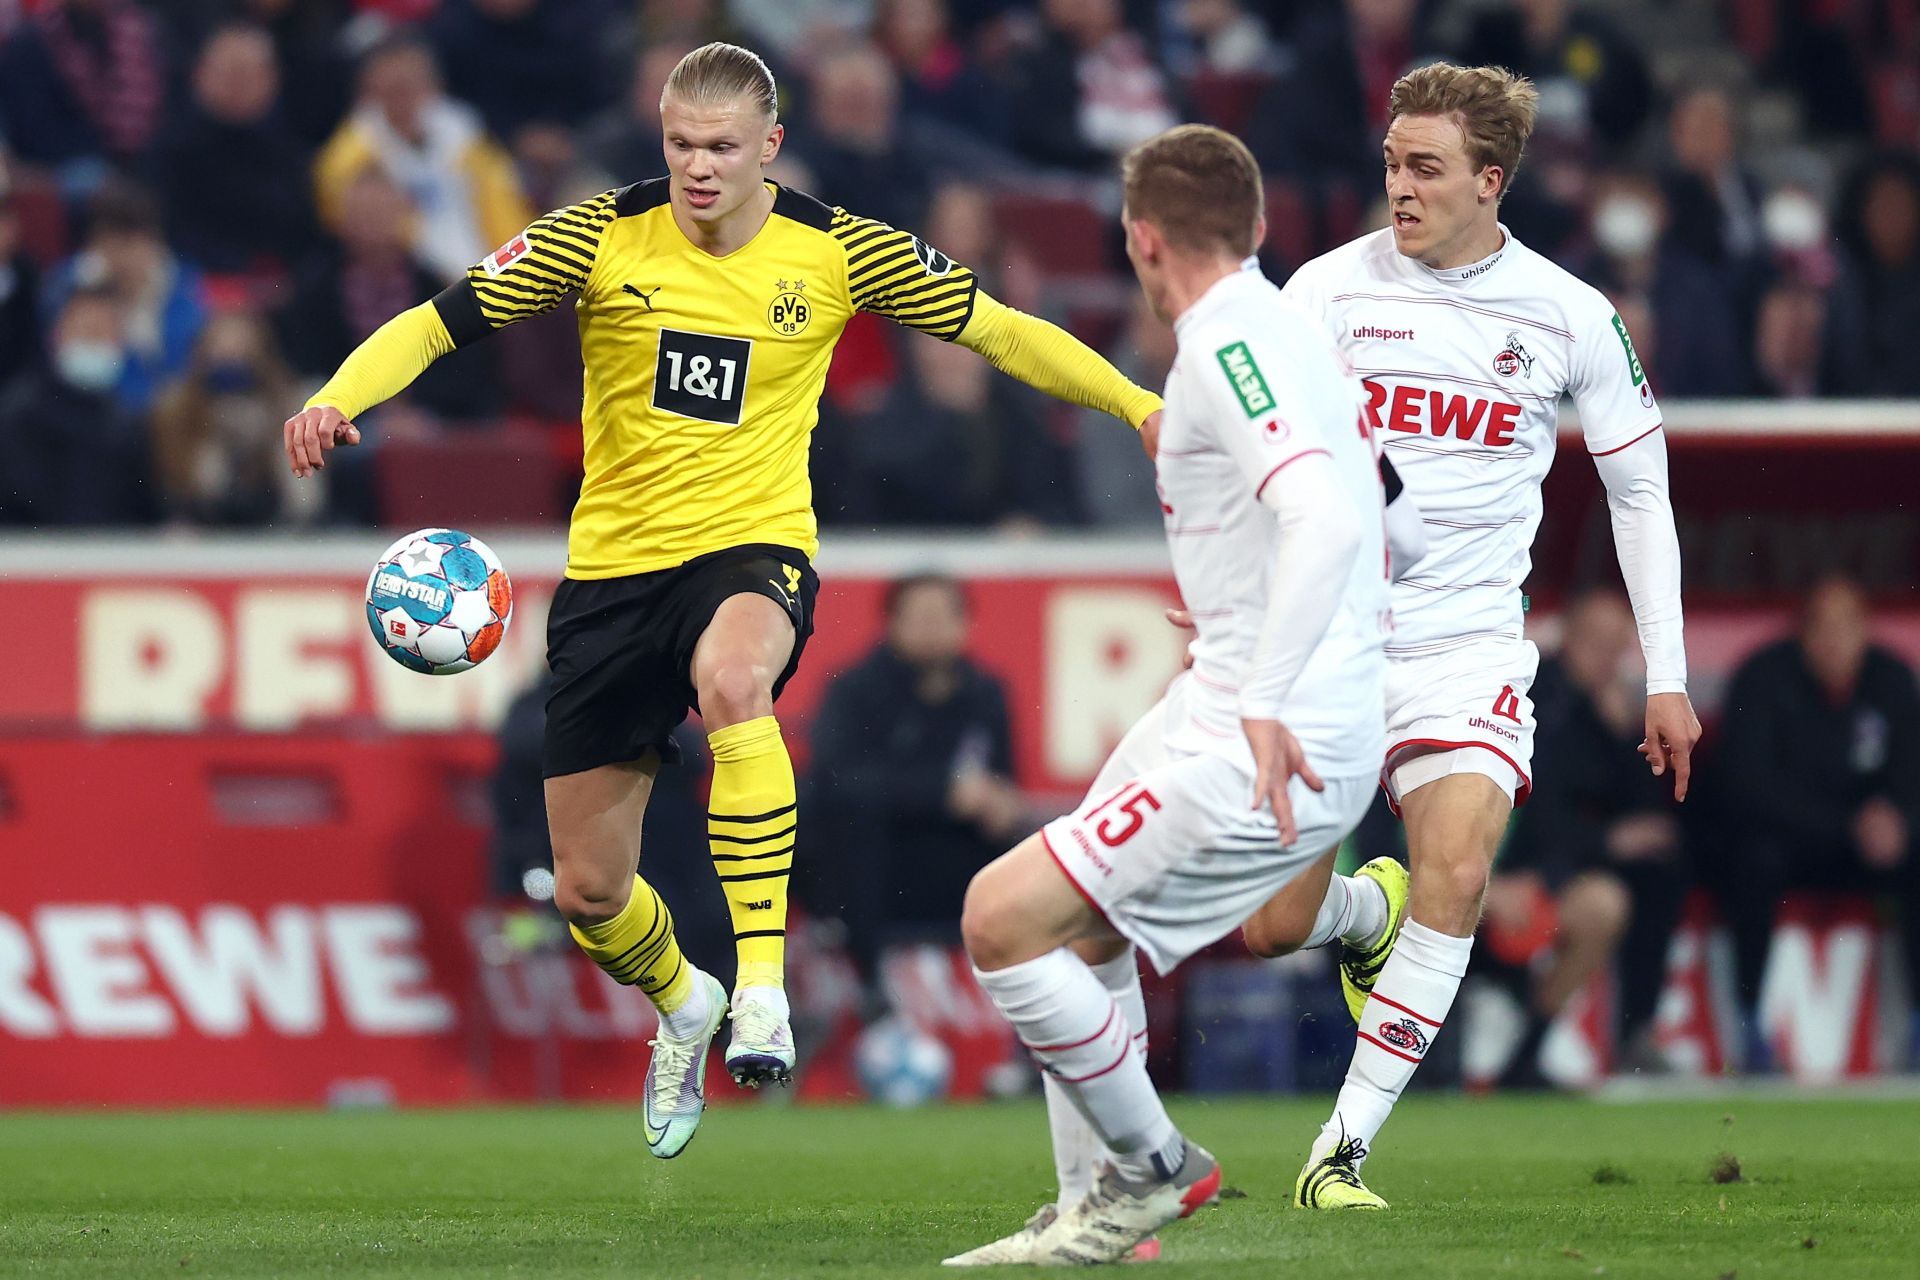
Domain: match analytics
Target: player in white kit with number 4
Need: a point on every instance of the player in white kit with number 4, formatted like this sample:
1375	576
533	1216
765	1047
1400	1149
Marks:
1466	340
1260	758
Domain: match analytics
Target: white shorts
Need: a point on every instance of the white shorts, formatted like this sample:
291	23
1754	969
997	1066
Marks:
1462	710
1167	848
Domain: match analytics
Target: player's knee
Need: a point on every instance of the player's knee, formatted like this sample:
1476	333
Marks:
986	924
589	895
736	691
1464	883
1269	937
1595	907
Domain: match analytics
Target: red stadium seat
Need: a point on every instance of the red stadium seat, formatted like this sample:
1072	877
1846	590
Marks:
481	477
43	219
1226	99
1064	233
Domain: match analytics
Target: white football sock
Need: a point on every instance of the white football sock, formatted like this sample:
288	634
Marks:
1077	1149
774	998
690	1019
1354	912
1408	1005
1074	1028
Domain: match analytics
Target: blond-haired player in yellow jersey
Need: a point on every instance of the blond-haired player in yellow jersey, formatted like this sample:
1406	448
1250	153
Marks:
709	303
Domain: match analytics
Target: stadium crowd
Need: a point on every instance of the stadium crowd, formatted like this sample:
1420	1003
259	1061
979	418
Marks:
204	205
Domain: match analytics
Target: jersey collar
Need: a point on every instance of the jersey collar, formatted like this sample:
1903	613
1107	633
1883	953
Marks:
1222	292
1473	270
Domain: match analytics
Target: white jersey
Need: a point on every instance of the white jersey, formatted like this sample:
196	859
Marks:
1256	386
1464	370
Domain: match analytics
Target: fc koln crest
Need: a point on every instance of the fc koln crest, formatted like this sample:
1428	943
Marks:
1513	358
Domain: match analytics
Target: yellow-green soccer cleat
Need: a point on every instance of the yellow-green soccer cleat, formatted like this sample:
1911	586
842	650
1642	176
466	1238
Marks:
1359	970
1333	1181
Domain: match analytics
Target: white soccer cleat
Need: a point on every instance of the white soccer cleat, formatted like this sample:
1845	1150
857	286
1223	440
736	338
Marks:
1009	1250
676	1095
761	1051
1120	1214
1019	1247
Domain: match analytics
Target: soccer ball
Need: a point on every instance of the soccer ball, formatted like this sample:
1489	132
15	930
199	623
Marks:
901	1065
438	601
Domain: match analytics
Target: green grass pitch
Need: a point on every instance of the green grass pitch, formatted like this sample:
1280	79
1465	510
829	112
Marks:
1507	1187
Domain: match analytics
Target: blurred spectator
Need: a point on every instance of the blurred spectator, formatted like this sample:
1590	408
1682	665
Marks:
217	449
795	29
1115	474
1322	122
911	789
1790	343
684	24
955	443
127	252
938	79
309	42
70	451
1880	233
1227	39
230	173
1714	199
624	141
521	61
1585	67
82	80
1090	91
365	279
20	346
1822	765
852	141
1594	865
1693	310
465	194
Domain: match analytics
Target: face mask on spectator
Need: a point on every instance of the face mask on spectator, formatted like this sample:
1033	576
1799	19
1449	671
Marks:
230	377
1625	226
91	366
1794	221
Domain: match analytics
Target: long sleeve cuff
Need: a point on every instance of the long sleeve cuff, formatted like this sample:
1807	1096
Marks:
1052	360
392	357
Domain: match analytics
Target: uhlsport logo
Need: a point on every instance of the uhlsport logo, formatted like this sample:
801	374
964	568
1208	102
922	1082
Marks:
1404	1034
1513	358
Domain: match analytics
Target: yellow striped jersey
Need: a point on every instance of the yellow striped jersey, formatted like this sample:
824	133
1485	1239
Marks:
703	373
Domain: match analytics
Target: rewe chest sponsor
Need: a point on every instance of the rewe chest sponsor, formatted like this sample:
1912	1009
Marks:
1415	410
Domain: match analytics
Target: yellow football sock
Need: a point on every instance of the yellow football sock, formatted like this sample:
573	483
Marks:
637	948
750	825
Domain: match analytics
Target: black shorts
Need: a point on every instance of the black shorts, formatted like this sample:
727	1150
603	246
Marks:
621	650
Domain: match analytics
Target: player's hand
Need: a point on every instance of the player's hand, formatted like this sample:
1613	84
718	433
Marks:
1672	731
1184	620
1150	434
1277	760
311	432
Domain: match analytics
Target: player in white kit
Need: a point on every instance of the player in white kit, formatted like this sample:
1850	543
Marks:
1261	757
1466	340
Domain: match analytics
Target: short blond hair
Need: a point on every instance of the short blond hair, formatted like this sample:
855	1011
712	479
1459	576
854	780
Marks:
1199	186
1494	107
720	74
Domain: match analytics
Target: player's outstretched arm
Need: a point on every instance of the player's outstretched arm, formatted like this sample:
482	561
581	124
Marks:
378	369
1047	357
529	275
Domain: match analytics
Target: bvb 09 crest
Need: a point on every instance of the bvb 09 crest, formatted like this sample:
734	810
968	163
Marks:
790	313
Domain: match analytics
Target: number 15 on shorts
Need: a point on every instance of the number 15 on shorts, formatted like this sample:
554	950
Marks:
1119	817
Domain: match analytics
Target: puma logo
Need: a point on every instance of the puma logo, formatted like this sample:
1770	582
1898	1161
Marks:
646	297
765	904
